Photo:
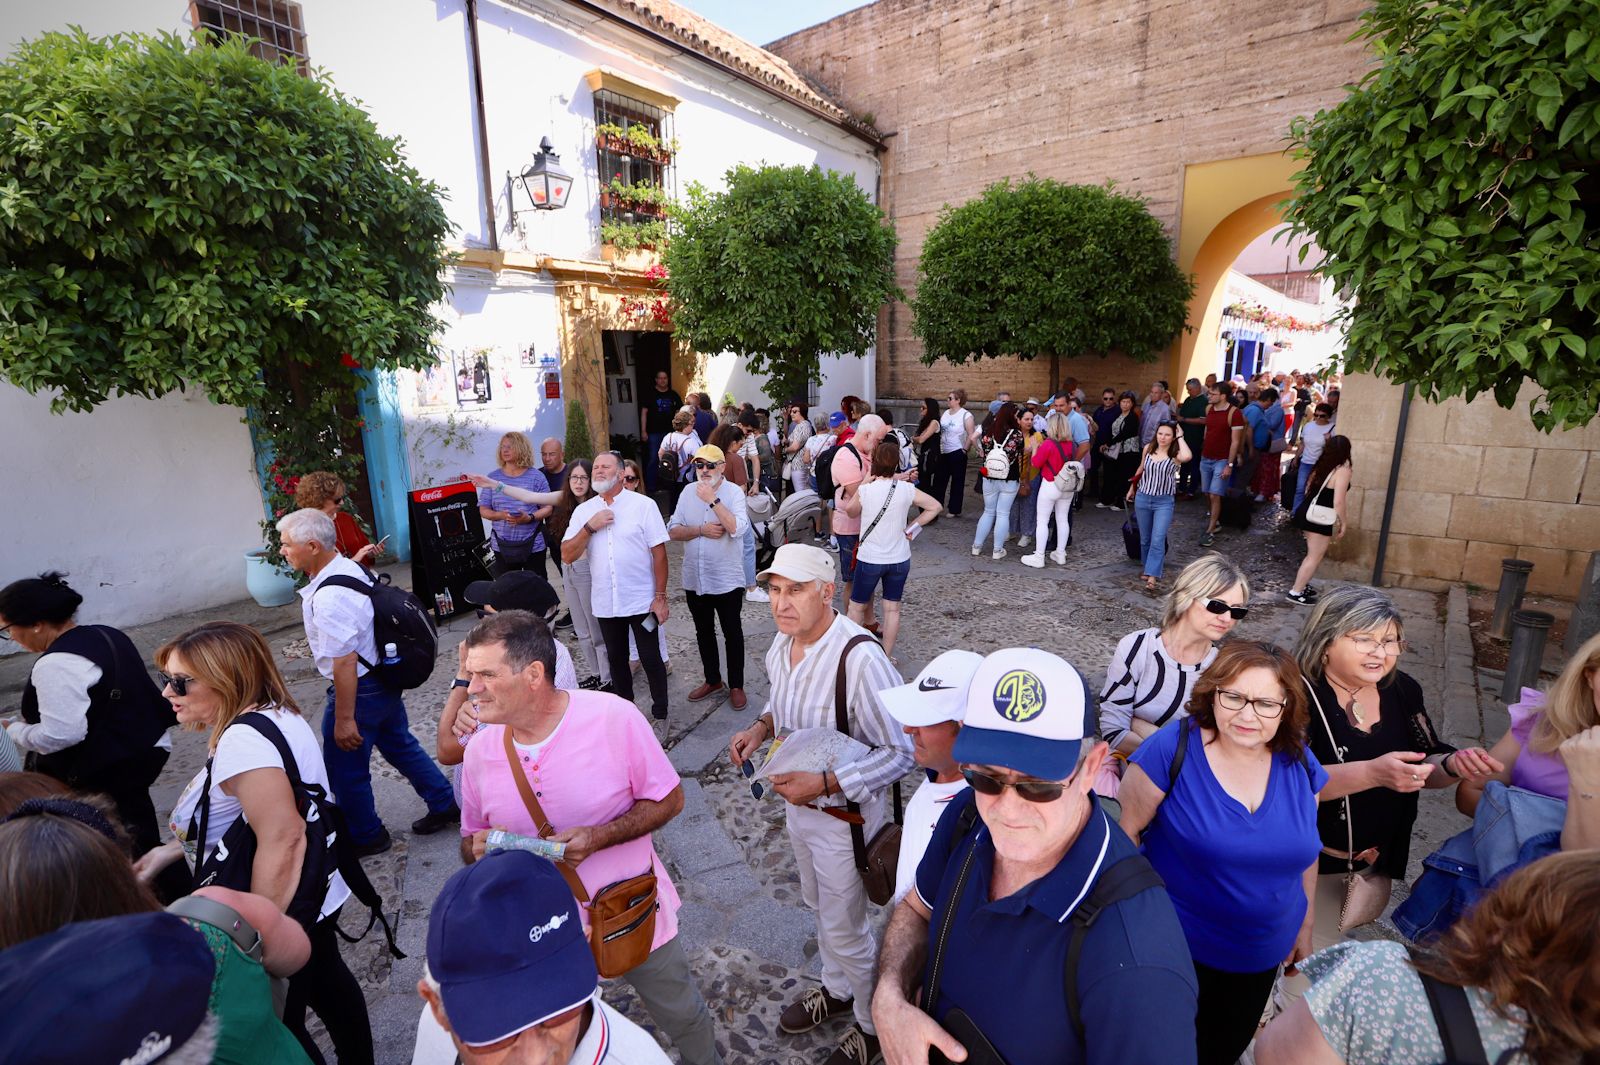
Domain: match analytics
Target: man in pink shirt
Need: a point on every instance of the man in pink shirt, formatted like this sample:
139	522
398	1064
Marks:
850	465
603	783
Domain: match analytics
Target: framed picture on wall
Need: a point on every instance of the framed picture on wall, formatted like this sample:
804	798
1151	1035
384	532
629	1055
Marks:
625	388
627	356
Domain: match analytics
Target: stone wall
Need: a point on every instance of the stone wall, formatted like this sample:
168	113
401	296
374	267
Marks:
971	91
1478	483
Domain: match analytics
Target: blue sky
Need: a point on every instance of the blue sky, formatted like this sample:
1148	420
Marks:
761	21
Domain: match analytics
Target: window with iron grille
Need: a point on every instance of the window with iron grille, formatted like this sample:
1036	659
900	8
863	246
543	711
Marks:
634	147
274	27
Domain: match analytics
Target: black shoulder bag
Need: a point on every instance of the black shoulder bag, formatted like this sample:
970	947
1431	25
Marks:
875	861
231	863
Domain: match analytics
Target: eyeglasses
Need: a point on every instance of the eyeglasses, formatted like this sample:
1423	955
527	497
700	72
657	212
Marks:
701	464
1217	606
1391	648
177	682
1027	788
5	632
1265	708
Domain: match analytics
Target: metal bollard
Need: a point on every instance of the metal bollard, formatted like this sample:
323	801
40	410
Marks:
1529	630
1513	584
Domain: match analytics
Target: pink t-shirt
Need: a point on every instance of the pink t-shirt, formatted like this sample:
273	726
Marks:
601	760
848	468
1535	770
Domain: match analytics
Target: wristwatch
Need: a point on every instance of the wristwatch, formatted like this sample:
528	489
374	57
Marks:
461	682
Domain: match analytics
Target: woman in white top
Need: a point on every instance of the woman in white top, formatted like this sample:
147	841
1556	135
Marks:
1153	670
215	675
883	504
1313	437
680	445
957	432
794	465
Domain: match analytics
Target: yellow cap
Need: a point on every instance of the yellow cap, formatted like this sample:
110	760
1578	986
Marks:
710	453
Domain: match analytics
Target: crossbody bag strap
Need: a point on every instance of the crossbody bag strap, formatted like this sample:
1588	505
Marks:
1452	1015
200	819
930	994
841	722
1333	745
541	824
882	511
113	667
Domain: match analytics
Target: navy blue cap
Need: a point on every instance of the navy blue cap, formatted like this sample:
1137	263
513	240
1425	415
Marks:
1027	710
122	989
507	948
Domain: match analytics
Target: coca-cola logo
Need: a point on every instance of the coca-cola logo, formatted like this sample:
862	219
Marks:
430	495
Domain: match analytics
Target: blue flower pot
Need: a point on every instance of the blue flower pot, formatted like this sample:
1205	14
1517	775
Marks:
267	584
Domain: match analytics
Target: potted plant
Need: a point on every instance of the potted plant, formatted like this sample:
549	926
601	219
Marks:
643	141
611	137
267	584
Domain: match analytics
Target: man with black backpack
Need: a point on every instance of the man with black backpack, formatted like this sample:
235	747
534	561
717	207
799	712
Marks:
1036	932
342	605
839	471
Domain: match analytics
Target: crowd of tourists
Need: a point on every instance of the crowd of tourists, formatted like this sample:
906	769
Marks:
1201	835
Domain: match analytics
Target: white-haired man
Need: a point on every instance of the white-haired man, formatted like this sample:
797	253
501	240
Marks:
361	712
851	463
832	813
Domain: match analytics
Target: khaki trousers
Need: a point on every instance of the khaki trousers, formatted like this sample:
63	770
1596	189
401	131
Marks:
1324	928
832	888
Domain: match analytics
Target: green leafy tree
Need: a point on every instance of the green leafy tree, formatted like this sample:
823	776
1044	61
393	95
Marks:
176	217
1039	267
1455	190
790	263
580	440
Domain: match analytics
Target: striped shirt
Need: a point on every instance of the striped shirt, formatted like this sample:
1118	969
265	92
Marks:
1160	477
1143	681
802	697
505	532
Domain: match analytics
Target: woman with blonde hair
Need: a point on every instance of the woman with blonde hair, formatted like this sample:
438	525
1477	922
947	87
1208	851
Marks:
1052	457
1553	748
1153	670
215	676
518	537
1521	965
324	491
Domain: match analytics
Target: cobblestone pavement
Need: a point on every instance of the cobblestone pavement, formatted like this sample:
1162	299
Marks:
750	939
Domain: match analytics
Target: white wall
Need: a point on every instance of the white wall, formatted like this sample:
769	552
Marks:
148	505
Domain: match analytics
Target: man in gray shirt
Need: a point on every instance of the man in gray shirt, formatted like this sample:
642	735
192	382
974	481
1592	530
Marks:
1156	412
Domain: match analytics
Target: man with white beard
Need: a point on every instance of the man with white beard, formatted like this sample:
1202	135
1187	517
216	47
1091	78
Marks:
710	520
627	574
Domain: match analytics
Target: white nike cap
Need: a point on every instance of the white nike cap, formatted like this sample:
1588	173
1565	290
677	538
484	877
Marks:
938	694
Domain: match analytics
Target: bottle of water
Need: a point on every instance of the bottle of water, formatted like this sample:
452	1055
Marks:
391	655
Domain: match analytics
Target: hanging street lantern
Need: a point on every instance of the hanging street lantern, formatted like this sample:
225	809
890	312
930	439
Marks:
546	184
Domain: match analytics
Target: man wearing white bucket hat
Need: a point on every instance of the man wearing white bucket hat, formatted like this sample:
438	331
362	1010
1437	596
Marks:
1035	922
930	709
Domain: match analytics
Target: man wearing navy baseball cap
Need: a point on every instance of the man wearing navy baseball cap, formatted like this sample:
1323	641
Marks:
510	978
1049	923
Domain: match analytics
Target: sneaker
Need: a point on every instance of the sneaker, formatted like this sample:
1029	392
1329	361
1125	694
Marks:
428	824
856	1048
591	684
976	551
377	846
564	621
1299	597
811	1009
1208	539
1024	541
660	714
998	555
1260	498
1099	505
757	595
833	543
1035	561
1117	506
705	691
1059	558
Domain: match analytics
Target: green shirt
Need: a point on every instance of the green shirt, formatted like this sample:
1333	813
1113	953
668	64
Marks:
241	997
1194	435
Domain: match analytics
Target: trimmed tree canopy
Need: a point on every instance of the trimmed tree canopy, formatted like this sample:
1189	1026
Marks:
1456	191
1039	267
789	264
174	216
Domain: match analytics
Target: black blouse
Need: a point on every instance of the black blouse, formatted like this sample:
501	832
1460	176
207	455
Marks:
1380	817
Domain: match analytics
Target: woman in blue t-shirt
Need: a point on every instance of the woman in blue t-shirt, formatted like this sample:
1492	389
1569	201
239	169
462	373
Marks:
1226	800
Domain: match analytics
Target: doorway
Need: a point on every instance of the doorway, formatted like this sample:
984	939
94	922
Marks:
632	360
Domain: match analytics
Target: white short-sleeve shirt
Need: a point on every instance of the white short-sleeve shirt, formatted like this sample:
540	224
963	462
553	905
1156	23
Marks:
621	569
338	620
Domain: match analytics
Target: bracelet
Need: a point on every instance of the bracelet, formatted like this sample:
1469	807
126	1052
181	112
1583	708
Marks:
659	595
461	682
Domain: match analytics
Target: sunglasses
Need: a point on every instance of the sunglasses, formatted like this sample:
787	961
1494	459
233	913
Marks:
629	478
1217	606
702	465
1027	788
177	682
748	768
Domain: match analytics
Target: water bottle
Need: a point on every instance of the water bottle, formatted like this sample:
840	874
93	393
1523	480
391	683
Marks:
391	655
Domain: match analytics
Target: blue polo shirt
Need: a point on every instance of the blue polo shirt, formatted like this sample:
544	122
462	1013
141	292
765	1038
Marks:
1234	876
1004	962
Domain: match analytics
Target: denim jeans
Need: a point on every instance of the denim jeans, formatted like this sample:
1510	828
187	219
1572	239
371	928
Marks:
381	717
1155	518
997	497
1300	482
1025	508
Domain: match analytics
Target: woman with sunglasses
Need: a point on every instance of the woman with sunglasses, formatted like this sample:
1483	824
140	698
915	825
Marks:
91	717
214	675
1153	670
1371	716
795	469
1224	805
1313	437
324	491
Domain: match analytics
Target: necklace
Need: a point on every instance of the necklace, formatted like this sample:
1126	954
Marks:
1355	704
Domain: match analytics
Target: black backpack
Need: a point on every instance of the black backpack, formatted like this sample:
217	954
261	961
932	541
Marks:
328	848
398	617
822	471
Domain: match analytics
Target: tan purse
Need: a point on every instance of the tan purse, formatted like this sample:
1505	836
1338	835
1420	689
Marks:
622	916
1366	895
